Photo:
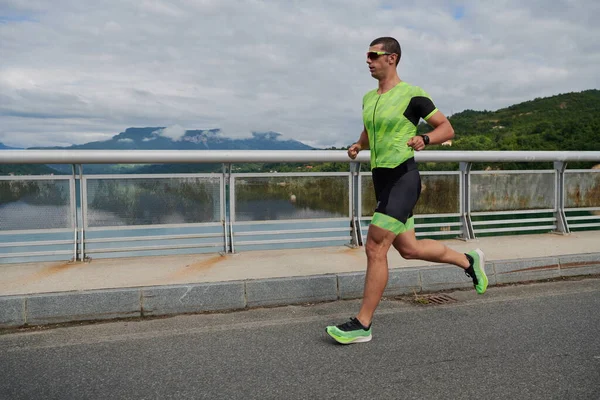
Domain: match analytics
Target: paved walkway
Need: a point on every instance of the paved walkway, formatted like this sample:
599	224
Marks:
49	277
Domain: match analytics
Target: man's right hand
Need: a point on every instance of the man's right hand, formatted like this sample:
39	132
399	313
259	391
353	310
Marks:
353	150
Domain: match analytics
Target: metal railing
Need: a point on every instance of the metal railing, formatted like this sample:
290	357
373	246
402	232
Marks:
83	215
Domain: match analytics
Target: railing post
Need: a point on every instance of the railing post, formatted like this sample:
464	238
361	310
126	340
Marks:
356	196
228	197
562	227
83	218
73	196
465	201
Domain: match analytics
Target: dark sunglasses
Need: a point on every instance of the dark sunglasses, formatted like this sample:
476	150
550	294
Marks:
374	55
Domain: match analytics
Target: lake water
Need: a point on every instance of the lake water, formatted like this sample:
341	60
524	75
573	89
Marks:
23	216
20	215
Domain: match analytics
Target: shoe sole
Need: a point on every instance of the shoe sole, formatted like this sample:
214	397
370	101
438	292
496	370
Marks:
359	339
482	267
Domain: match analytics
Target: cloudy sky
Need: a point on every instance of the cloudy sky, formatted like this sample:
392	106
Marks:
75	71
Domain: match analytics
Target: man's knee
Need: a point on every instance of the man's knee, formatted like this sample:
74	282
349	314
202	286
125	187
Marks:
376	248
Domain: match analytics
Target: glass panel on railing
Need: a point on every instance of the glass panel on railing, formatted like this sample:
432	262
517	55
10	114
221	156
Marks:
291	197
499	191
32	204
582	189
367	192
440	194
149	201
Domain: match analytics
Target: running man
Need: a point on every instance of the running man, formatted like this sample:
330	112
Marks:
391	114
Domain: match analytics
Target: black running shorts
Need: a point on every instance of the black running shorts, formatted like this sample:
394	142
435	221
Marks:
397	191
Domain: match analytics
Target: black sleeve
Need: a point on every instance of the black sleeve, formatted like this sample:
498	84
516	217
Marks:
419	107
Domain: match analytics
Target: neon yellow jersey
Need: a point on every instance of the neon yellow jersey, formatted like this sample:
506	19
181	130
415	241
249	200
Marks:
391	120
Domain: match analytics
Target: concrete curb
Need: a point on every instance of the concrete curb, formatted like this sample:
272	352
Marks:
61	307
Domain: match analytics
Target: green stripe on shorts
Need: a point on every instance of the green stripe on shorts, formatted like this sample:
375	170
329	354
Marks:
392	224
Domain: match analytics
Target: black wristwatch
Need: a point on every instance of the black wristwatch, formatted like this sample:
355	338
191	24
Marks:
425	139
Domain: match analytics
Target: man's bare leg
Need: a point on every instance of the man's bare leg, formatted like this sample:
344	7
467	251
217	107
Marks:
379	241
428	250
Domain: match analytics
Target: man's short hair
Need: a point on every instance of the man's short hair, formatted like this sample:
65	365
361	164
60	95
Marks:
390	45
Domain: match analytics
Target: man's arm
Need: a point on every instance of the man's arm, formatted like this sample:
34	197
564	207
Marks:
442	132
361	144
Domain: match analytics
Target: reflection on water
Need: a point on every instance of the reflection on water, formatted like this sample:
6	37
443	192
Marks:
23	216
97	218
283	197
273	209
152	201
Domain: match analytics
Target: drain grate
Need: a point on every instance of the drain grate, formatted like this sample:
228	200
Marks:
434	299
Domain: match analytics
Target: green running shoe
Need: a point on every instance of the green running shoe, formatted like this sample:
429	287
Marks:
476	270
350	332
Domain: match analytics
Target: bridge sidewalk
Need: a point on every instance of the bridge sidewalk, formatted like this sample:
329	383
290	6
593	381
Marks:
50	292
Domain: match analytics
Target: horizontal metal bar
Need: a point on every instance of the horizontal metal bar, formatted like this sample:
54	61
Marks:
164	226
39	243
510	212
433	233
573	171
265	156
439	233
36	231
584	225
291	221
420	216
211	176
441	173
146	238
146	248
275	241
291	231
438	224
288	174
516	228
585	217
583	209
37	253
514	221
428	173
514	172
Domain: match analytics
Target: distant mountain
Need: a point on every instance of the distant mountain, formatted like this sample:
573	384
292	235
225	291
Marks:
155	138
5	147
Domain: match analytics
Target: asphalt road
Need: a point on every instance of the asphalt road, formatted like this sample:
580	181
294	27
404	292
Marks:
539	341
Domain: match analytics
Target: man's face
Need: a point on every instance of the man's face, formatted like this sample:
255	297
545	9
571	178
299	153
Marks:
379	61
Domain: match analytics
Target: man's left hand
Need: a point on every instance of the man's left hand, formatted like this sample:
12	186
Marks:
416	142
